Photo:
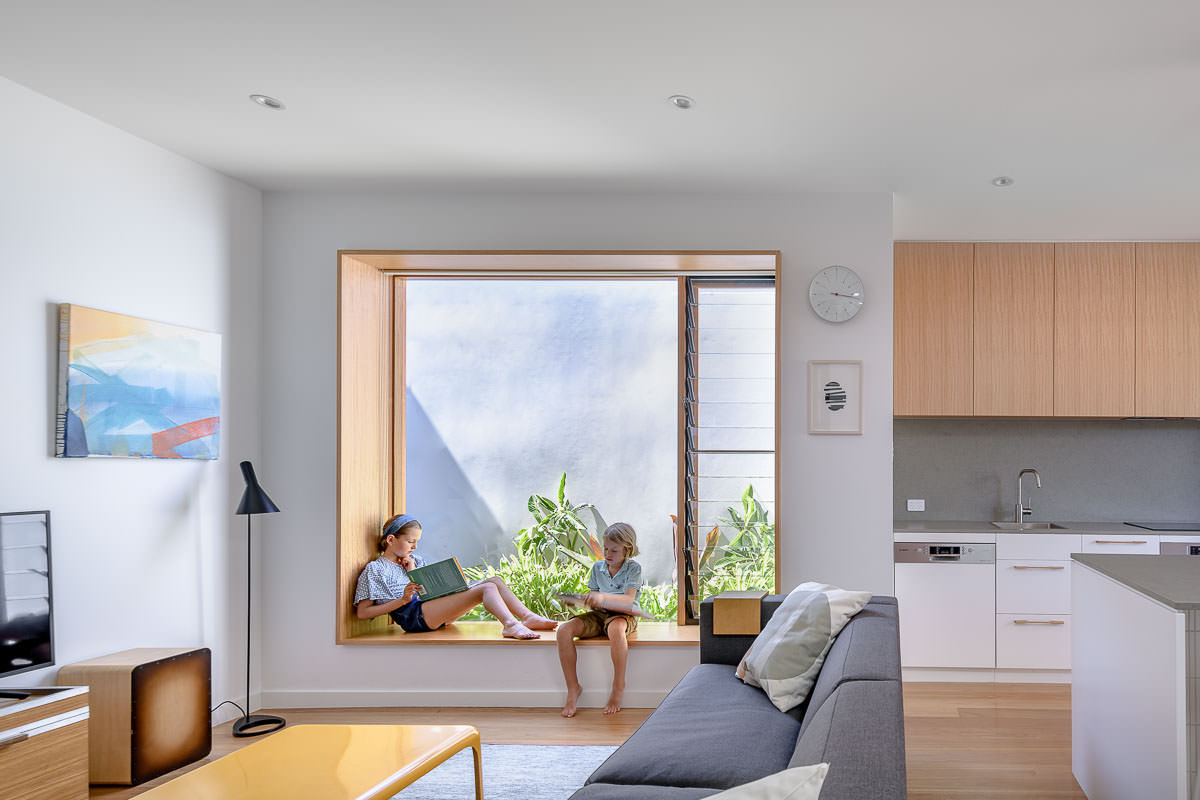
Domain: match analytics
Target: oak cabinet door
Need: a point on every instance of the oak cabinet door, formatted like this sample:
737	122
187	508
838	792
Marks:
932	336
1014	329
1168	329
1094	329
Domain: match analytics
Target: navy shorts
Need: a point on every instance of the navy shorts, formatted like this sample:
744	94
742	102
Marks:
410	617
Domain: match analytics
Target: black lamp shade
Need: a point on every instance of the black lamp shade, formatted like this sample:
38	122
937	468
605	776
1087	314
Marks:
254	499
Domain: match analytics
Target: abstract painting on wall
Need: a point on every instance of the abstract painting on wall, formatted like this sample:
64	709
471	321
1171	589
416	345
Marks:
135	388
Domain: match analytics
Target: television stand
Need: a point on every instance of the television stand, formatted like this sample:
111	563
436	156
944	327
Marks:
45	738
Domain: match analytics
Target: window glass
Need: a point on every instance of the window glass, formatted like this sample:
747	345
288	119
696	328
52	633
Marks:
510	383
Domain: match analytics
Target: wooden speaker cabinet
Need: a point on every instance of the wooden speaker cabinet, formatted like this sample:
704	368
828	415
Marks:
149	711
44	743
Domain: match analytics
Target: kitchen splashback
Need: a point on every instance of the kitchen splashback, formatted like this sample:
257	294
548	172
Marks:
1092	471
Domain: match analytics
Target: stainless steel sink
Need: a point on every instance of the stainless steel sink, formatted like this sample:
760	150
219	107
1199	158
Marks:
1029	526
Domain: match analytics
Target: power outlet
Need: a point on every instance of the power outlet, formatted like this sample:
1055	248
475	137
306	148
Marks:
916	505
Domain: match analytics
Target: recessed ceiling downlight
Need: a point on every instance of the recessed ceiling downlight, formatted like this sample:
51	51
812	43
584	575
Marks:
681	101
1002	180
268	102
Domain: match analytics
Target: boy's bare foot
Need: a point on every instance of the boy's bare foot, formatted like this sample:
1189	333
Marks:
572	698
515	630
614	701
539	623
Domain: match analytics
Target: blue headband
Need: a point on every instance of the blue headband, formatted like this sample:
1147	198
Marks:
393	527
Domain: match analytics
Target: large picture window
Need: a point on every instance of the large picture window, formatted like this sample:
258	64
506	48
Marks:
516	403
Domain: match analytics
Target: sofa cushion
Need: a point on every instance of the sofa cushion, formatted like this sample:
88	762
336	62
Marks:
868	648
639	791
859	732
711	731
787	656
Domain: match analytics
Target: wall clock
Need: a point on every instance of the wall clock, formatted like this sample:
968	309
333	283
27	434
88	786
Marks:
836	293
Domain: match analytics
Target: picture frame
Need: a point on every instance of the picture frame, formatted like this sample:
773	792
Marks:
835	400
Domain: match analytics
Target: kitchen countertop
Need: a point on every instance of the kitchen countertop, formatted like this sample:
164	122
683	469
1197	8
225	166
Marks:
1171	580
954	526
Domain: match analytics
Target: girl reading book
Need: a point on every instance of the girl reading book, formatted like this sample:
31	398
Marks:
385	588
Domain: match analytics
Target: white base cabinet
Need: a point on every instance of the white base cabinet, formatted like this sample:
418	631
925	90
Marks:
1033	641
948	614
944	609
1033	600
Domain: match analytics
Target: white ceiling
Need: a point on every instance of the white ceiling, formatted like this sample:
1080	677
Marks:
1091	105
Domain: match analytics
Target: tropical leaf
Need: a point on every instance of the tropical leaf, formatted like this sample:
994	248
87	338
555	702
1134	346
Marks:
710	545
576	557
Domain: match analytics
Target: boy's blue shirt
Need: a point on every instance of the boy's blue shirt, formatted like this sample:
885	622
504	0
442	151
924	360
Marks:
630	574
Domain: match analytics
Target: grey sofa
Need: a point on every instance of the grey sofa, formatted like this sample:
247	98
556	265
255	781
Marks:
713	732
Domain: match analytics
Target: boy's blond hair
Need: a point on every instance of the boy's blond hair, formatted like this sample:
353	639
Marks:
623	534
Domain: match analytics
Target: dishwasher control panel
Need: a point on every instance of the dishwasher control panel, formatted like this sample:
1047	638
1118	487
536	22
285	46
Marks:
933	553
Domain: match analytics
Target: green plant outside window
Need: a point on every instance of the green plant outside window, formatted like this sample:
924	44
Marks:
556	552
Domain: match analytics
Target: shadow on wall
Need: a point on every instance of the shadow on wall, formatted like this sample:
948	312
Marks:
455	519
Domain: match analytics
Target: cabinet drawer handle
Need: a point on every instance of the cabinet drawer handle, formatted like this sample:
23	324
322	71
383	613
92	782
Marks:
1119	541
20	737
1034	566
1039	622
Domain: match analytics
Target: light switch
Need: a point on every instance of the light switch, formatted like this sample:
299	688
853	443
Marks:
916	505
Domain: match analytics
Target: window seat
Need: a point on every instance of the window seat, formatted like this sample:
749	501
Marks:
661	634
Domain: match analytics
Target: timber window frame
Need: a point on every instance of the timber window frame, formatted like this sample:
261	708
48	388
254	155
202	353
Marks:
370	379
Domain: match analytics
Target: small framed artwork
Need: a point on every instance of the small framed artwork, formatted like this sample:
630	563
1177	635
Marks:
835	397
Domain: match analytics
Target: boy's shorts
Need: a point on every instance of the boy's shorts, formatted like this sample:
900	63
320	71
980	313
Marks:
596	622
410	617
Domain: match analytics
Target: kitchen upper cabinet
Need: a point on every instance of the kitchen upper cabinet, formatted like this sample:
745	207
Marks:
933	322
1094	329
1014	329
1168	329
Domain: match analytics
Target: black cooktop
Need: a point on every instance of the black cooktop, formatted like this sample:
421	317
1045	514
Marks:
1166	526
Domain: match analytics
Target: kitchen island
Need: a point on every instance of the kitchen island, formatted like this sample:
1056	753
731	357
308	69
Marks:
1135	710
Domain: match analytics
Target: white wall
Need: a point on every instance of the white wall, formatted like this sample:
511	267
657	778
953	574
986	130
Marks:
146	553
835	516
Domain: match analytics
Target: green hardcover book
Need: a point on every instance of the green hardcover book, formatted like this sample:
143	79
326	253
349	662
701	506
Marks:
439	579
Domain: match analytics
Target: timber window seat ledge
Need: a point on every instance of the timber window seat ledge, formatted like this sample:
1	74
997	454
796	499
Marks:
481	632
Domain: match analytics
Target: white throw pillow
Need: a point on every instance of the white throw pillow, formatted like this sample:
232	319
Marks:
797	783
785	658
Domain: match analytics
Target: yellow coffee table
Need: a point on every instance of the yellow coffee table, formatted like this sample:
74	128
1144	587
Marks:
330	762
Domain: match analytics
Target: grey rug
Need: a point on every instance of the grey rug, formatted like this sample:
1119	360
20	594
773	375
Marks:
511	772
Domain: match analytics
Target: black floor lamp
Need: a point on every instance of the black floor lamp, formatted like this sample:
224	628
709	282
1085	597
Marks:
254	501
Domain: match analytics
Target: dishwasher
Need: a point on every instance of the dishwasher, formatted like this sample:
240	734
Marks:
947	597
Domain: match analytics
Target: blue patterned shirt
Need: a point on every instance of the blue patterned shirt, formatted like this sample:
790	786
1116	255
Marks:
383	580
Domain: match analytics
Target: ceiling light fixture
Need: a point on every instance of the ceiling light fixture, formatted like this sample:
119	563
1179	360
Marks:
681	101
1003	180
268	102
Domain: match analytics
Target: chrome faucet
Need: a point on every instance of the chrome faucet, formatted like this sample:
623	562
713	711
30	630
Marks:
1022	510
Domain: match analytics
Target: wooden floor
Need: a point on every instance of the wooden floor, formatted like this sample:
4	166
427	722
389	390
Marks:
964	740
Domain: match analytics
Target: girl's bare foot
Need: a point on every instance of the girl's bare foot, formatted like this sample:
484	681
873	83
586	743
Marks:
614	701
515	630
539	623
573	693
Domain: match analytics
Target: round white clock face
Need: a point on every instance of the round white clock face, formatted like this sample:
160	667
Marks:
836	293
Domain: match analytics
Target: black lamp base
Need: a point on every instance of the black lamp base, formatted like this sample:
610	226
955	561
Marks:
257	725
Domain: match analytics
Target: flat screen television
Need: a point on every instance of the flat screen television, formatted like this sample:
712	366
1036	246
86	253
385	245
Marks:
26	607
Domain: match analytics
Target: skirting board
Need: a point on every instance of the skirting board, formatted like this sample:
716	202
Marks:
513	698
929	675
